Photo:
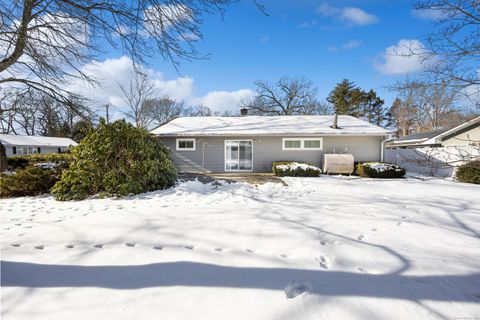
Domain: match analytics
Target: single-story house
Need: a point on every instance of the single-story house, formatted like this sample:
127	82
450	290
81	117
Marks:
466	134
21	144
252	143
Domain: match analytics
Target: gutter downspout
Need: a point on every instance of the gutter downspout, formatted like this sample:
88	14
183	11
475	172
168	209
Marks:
382	146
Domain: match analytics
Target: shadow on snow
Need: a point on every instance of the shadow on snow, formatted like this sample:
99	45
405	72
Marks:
194	274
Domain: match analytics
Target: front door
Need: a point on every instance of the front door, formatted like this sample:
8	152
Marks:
238	155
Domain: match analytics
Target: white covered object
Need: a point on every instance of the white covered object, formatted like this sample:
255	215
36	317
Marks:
338	163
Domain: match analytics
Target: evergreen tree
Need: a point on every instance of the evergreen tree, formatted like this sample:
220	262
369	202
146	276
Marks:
372	108
346	98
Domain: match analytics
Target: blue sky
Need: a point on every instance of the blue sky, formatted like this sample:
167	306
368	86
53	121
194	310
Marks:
325	41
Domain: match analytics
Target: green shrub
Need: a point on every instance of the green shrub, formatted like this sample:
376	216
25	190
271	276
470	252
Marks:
469	172
295	169
116	159
28	182
20	162
379	170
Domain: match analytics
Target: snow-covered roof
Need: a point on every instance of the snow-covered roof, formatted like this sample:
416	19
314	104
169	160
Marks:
267	125
433	137
35	141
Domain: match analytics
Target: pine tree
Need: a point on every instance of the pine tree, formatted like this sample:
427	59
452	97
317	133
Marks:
372	108
346	98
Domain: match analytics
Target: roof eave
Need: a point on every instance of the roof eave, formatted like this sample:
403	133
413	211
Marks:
189	134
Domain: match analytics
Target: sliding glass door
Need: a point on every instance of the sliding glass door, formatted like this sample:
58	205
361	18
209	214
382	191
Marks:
238	155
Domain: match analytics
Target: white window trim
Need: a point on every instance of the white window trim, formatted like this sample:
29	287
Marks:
187	140
225	156
302	143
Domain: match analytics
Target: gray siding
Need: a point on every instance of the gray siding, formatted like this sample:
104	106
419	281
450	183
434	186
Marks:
43	150
210	151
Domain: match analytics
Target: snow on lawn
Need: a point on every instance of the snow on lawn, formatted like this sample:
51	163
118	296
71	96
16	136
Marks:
320	248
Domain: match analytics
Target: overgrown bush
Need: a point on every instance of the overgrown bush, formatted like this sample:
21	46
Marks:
28	182
295	169
469	172
379	170
116	159
62	160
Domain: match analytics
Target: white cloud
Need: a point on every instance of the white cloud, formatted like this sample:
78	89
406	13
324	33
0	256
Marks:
118	71
426	14
352	44
402	58
349	45
110	73
225	100
349	15
308	24
332	49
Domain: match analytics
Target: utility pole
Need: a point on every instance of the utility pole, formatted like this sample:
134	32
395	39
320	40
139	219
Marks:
107	107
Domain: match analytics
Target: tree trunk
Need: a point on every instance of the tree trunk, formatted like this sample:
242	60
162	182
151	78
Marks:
3	157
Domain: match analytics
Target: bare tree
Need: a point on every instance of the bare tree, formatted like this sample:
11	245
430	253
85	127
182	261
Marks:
161	110
287	96
423	106
452	50
36	113
43	44
135	94
198	111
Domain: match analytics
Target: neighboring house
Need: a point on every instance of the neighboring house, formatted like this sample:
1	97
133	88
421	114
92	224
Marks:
252	143
466	134
20	144
436	153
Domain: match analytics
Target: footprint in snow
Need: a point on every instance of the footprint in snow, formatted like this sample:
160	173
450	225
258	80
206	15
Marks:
361	270
18	224
189	247
158	248
98	246
218	249
398	224
69	246
476	295
374	229
130	244
324	262
284	256
296	288
16	245
249	250
39	247
361	237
